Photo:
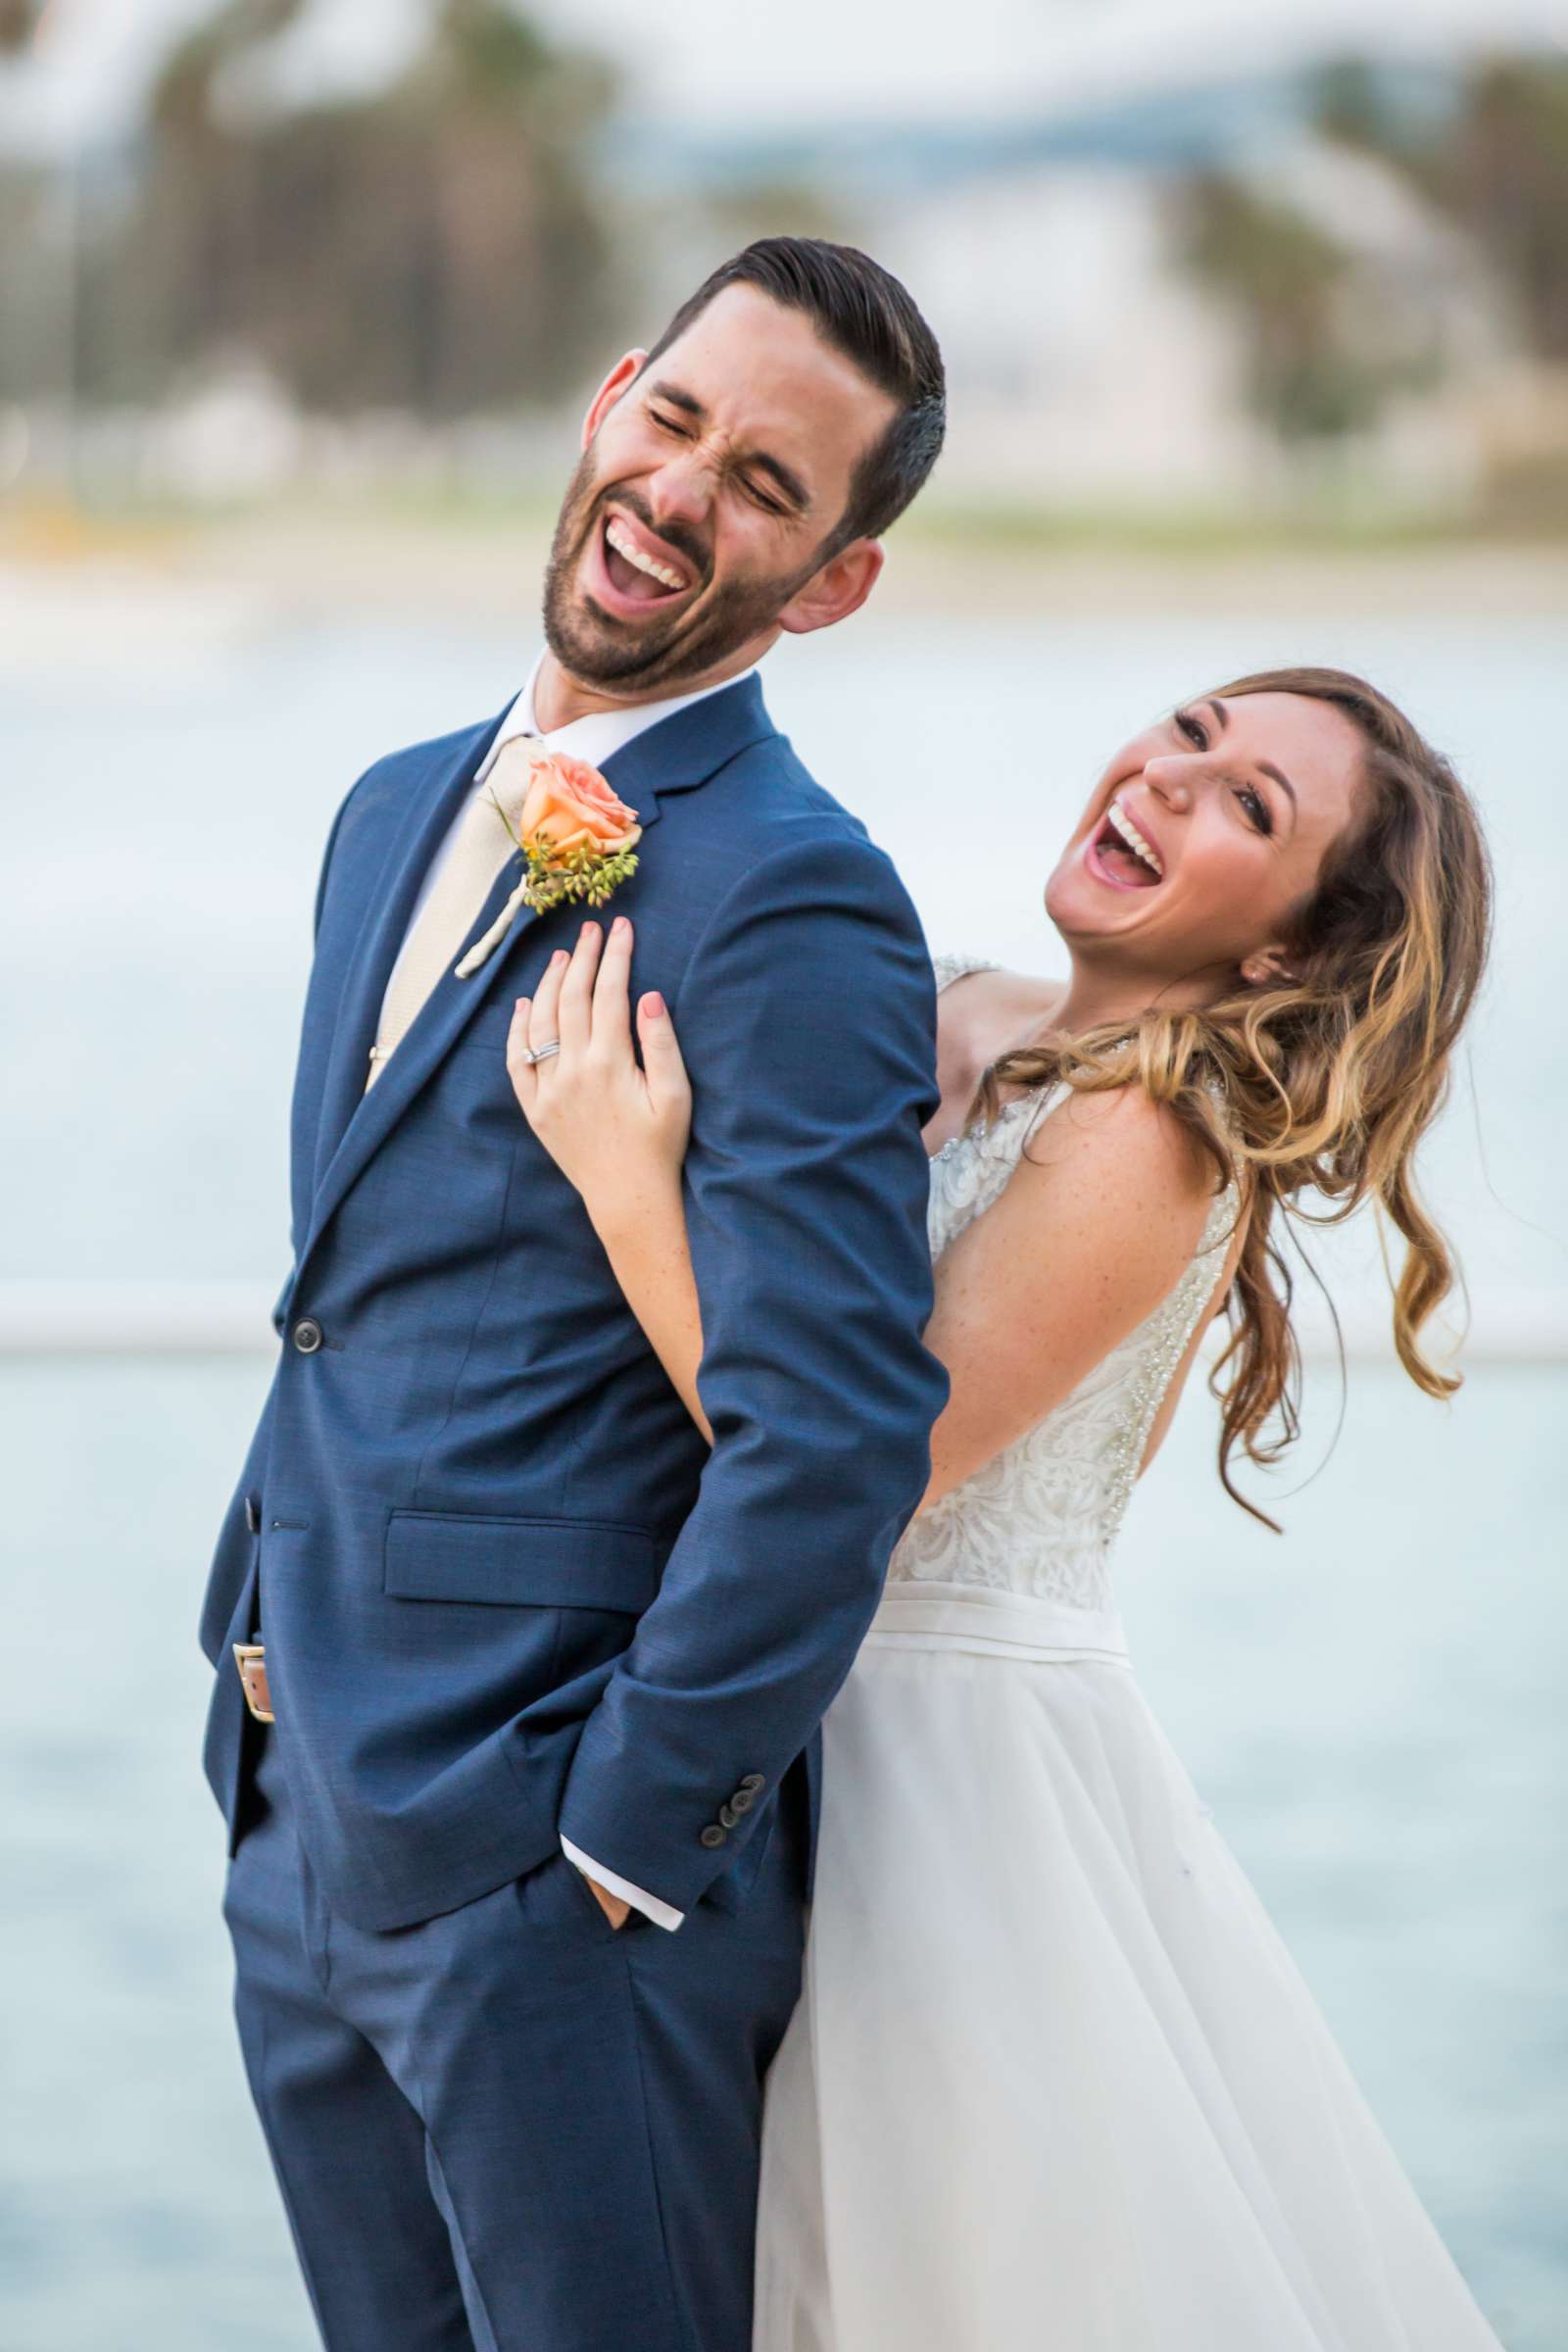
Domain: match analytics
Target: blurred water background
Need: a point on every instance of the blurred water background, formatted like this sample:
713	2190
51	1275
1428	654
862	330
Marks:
1287	381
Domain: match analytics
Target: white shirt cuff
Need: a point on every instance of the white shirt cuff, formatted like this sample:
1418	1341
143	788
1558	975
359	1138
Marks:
663	1915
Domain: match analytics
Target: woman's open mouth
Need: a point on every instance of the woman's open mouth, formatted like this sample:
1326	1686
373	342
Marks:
636	573
1123	856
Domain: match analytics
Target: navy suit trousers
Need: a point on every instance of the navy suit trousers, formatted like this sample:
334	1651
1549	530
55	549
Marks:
512	2128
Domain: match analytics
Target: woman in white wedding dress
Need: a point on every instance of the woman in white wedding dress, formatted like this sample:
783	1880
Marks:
1054	2082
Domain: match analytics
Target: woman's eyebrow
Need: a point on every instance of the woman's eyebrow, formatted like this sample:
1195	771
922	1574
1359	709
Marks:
1267	767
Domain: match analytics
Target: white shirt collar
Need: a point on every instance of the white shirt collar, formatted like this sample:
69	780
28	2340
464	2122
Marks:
602	732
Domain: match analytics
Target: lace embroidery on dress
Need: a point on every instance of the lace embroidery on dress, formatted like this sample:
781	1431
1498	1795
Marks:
949	969
1042	1517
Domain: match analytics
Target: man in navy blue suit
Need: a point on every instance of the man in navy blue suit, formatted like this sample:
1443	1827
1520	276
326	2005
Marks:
517	1684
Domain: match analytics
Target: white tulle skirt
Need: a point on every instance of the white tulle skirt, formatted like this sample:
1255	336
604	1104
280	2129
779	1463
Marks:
1053	2083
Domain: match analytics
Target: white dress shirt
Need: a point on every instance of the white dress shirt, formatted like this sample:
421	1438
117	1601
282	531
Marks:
593	739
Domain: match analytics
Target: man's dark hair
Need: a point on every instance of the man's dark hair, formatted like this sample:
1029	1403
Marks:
860	310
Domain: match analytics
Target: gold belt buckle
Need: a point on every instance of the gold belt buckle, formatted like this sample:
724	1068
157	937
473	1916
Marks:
251	1659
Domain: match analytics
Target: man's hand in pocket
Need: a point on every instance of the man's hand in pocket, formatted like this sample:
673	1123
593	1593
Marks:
614	1908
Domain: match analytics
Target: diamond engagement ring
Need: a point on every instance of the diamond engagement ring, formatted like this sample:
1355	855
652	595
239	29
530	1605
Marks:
542	1053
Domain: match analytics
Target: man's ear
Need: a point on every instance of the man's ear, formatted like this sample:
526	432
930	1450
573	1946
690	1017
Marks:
624	372
839	589
1267	967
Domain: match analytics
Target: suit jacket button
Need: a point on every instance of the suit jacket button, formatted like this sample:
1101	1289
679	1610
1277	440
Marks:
308	1335
728	1816
713	1835
742	1802
253	1515
754	1780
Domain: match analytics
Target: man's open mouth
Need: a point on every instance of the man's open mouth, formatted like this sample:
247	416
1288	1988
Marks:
1124	856
638	566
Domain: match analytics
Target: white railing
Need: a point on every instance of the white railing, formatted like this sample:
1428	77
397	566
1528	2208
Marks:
174	1318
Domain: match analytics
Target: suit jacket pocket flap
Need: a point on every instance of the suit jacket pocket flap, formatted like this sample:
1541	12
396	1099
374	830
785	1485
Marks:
537	1563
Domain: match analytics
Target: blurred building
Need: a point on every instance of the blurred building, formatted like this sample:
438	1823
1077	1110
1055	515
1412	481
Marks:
1091	362
1227	293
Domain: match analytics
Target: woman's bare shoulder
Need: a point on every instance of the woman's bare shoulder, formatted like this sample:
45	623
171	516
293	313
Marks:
981	1018
991	1011
1120	1142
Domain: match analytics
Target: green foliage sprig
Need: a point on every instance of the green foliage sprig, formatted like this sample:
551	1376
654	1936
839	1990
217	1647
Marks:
584	874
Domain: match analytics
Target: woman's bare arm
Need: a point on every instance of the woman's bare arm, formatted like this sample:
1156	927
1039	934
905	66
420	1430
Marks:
619	1133
1097	1225
646	1244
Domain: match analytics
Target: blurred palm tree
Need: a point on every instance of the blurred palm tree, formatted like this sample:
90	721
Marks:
1507	179
1321	355
1496	165
20	20
436	247
37	246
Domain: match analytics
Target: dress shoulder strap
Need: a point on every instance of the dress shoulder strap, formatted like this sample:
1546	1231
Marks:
949	969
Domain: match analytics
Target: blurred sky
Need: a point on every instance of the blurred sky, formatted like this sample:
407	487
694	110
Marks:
797	60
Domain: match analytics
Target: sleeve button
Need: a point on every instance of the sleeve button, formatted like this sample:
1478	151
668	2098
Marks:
713	1835
754	1781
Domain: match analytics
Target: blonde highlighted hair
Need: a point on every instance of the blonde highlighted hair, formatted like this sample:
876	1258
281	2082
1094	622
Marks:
1320	1086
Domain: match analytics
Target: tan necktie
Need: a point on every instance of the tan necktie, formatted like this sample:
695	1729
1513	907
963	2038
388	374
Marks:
480	847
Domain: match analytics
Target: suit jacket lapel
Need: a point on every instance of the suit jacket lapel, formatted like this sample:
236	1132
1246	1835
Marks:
675	754
390	895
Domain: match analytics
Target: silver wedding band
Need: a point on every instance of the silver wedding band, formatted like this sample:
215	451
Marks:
542	1053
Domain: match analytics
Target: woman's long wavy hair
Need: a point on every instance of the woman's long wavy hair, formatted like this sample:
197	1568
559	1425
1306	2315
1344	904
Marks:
1321	1084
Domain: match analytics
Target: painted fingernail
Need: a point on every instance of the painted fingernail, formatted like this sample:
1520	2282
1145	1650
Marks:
653	1006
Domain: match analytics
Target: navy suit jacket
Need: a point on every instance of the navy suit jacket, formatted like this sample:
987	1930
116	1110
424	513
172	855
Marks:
506	1590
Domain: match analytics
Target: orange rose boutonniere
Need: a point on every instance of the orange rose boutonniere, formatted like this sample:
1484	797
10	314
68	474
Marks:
579	840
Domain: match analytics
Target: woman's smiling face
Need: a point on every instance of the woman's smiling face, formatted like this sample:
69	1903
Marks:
1205	837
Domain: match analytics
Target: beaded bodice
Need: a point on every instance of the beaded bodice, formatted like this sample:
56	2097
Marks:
1041	1518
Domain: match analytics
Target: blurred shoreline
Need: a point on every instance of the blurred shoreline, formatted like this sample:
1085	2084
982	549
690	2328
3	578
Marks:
60	568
